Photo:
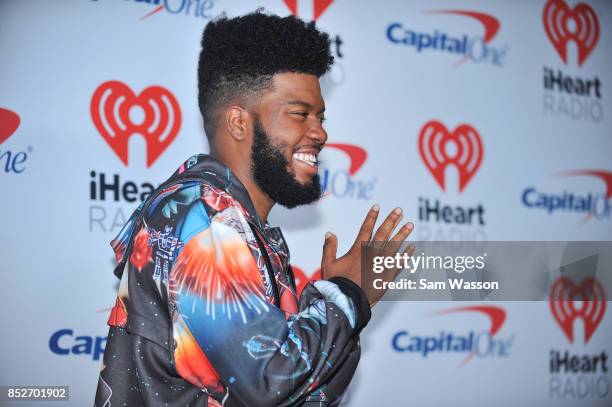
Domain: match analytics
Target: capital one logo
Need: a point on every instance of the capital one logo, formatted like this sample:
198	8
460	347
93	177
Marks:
563	304
495	314
440	148
9	122
357	155
196	8
593	204
489	23
343	183
600	205
11	161
318	7
118	114
473	343
477	48
604	176
563	24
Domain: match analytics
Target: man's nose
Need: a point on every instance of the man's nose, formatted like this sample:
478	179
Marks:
317	134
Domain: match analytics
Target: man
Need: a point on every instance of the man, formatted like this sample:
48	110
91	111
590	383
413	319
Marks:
207	311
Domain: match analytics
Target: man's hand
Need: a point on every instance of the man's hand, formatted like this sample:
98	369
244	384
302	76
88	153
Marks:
349	265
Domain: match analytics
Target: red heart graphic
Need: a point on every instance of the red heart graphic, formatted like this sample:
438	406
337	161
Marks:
433	141
563	24
110	111
319	7
301	279
9	121
562	296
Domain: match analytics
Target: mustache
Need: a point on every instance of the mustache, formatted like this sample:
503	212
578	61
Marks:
317	146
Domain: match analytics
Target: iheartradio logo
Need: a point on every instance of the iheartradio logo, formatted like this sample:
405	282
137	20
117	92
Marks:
318	7
115	110
563	297
440	147
563	24
301	278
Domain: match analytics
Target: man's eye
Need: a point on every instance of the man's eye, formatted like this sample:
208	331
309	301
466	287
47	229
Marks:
322	119
303	114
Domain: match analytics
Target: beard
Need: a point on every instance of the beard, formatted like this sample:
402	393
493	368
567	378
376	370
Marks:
273	175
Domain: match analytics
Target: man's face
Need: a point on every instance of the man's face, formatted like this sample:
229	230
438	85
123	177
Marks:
287	137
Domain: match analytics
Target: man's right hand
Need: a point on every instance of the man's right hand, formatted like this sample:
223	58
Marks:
349	265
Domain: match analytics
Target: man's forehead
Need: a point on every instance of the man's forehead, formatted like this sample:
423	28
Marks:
297	88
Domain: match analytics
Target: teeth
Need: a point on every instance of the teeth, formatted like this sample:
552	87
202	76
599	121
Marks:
309	159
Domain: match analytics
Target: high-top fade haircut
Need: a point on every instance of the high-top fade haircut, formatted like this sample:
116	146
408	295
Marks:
240	55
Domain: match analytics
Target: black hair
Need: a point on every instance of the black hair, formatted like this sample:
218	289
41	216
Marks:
240	55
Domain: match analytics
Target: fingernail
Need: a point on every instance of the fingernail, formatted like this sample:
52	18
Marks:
376	208
409	225
327	235
398	211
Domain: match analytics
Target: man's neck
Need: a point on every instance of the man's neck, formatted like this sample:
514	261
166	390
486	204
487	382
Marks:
262	202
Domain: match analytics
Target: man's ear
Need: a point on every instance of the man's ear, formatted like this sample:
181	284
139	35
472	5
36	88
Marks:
237	122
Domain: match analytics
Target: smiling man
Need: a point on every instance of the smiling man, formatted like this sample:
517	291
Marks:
207	311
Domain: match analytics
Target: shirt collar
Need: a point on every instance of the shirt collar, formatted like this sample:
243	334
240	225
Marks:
220	176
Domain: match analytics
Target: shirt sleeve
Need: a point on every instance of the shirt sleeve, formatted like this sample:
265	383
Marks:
242	348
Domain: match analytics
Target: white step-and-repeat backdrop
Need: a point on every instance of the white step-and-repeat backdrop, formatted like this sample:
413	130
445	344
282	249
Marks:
519	88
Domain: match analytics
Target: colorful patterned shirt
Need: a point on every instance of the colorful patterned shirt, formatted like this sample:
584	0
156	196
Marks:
207	311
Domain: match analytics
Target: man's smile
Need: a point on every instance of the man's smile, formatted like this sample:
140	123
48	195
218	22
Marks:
306	162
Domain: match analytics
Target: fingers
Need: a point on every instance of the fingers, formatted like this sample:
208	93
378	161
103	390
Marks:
389	275
409	251
330	247
384	231
403	232
365	232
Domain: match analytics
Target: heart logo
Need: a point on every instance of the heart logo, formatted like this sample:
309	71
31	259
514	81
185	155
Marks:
319	7
9	122
301	279
562	299
562	24
113	107
435	141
